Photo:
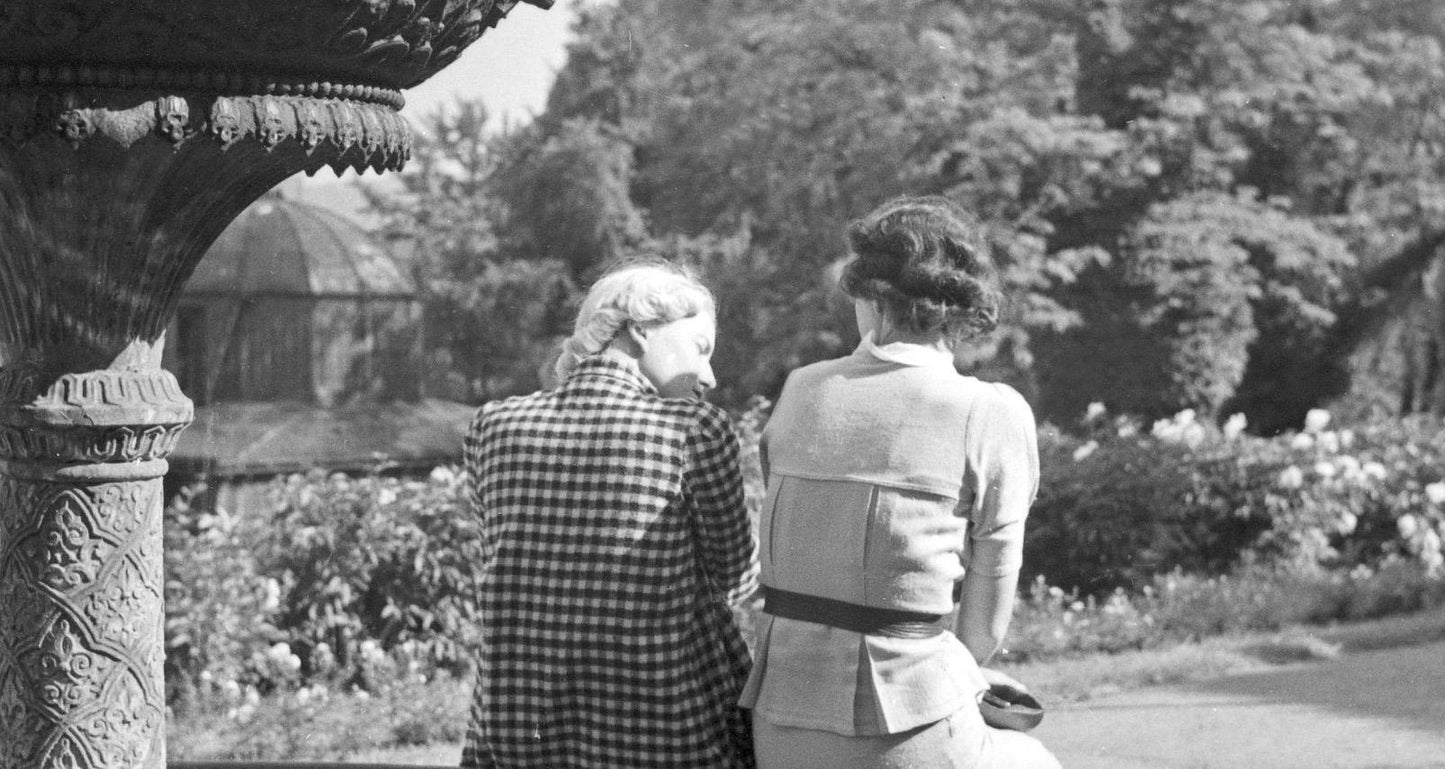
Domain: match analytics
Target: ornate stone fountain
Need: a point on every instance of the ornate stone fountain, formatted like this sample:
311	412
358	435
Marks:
131	133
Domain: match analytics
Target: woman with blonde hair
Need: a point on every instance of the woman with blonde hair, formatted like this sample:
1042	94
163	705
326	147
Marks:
896	487
616	540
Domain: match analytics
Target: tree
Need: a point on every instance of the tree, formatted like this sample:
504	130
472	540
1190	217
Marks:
492	310
1188	197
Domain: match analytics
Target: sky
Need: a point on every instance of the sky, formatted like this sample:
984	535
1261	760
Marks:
510	68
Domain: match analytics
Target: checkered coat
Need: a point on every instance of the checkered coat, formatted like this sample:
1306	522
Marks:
616	538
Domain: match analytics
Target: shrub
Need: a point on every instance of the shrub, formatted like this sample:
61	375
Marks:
343	572
1118	506
218	606
377	559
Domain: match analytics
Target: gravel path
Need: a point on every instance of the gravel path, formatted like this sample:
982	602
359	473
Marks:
1366	710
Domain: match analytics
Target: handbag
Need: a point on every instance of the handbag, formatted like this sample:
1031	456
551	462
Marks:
1008	707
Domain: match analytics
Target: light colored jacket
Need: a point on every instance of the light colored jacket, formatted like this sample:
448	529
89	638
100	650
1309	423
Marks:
889	475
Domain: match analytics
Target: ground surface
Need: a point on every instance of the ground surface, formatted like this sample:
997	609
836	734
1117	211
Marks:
1364	710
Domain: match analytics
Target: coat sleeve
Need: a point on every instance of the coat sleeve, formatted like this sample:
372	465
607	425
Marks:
473	448
1002	446
714	480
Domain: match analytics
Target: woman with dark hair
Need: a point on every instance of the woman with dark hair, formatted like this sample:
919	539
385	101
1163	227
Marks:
895	488
616	539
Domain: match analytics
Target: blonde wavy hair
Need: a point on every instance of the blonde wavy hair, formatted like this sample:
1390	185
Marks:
640	291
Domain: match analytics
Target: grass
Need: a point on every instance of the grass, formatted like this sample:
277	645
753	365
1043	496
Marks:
1091	676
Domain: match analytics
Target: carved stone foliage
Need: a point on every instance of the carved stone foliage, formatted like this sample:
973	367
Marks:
338	132
81	647
390	43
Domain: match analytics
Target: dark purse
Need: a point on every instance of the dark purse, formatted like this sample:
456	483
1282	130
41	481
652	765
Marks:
1005	707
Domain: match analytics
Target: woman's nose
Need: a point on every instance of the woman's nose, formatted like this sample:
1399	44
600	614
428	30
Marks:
705	377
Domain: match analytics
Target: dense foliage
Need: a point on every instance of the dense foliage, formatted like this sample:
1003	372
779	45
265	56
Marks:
341	576
1121	507
1202	204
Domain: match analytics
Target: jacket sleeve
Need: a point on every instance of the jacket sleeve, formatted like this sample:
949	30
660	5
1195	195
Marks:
1003	461
723	532
473	447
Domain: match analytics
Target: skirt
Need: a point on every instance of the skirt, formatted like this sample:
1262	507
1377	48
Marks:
960	741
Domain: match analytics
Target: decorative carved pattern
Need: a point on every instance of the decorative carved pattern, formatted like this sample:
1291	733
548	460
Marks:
90	417
22	77
103	394
81	650
272	121
391	43
173	118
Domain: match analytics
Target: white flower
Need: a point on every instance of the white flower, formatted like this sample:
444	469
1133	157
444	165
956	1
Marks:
272	599
371	652
386	496
1095	411
303	696
1348	522
1435	492
1185	417
1165	430
1324	469
279	652
1083	452
1193	435
1291	478
231	690
1407	525
1329	441
1302	442
253	697
1374	470
1234	426
442	475
1316	420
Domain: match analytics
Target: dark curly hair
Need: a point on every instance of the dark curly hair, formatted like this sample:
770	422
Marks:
926	262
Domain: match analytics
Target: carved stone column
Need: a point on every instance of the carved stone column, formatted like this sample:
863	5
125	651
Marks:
131	134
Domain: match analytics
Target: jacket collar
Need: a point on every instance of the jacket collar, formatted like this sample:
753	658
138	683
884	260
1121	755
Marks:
905	353
613	371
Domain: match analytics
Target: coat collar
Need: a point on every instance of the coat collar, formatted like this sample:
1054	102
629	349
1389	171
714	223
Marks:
905	353
602	367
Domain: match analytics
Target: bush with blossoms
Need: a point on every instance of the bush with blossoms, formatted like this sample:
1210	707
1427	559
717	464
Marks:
1123	503
351	583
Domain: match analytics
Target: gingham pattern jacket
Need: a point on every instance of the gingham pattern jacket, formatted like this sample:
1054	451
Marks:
616	538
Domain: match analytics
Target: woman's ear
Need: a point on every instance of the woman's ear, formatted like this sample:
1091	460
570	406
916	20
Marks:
638	334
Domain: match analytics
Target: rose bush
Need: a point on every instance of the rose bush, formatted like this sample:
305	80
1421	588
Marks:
1119	505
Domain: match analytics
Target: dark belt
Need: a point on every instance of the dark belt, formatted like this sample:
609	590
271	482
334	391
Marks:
869	620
